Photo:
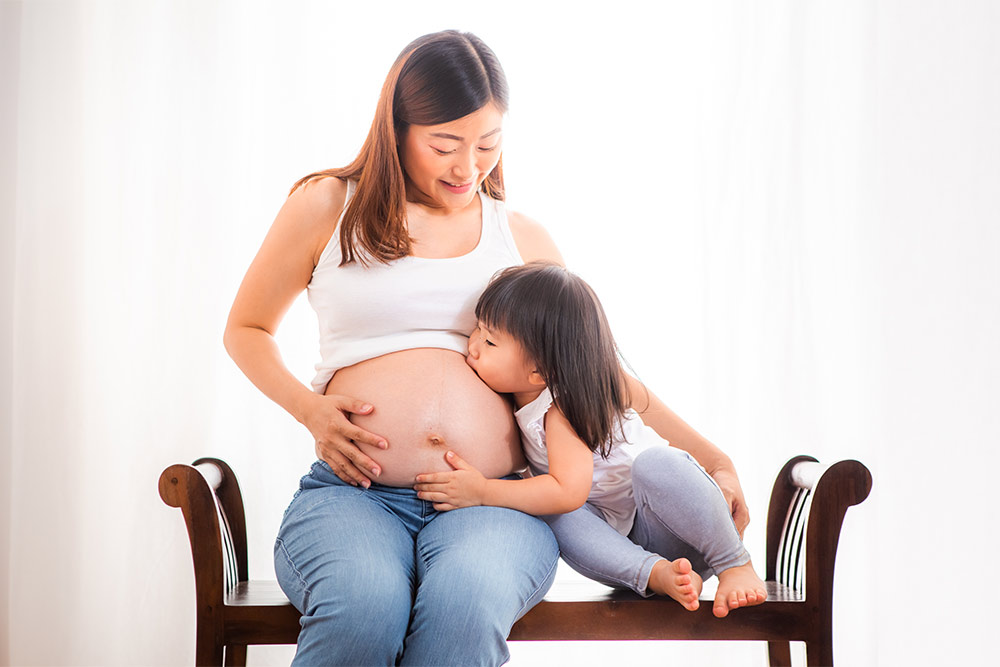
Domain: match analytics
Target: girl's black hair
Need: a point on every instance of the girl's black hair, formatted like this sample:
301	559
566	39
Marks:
560	324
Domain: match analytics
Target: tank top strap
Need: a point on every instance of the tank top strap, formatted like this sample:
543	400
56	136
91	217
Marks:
495	217
333	245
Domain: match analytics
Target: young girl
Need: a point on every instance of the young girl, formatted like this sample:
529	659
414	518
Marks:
544	339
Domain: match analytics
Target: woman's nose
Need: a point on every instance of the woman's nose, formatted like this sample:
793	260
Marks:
465	165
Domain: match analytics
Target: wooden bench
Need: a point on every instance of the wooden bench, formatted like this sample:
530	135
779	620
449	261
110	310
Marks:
805	515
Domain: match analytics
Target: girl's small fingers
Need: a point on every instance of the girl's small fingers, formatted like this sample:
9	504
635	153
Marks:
427	488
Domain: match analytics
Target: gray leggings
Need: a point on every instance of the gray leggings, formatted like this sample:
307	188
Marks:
680	512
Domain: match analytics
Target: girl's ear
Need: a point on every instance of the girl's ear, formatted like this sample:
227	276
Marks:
535	378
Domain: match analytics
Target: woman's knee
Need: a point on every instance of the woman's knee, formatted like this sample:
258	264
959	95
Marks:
339	600
487	555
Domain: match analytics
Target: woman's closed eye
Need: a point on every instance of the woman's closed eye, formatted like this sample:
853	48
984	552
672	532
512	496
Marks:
484	149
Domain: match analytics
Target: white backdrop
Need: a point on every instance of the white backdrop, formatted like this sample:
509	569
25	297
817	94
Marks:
789	209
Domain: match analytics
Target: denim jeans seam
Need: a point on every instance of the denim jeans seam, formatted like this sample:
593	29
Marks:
279	543
742	559
590	573
645	589
523	610
315	503
656	517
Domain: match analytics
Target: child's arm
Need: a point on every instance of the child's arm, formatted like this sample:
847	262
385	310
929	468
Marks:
564	489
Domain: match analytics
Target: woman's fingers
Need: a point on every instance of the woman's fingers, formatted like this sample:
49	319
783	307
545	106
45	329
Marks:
741	517
347	405
343	467
361	461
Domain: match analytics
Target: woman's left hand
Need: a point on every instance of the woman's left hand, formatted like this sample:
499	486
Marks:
733	492
462	487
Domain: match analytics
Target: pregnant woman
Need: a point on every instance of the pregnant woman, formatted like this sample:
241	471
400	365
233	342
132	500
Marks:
394	250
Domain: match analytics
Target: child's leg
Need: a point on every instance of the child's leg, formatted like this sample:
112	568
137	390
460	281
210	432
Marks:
681	512
596	550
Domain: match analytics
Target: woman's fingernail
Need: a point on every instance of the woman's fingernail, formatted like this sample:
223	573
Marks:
366	407
376	471
383	444
366	483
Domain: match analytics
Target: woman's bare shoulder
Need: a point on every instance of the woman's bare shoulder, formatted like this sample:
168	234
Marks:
314	208
321	197
532	239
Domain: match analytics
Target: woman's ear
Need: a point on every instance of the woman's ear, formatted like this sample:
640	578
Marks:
535	378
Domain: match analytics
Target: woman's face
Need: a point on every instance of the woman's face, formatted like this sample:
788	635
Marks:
447	163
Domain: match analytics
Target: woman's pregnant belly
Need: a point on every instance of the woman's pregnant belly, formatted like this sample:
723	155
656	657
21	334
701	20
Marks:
427	402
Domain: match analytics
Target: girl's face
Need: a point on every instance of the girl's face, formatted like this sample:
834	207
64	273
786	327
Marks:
500	362
447	163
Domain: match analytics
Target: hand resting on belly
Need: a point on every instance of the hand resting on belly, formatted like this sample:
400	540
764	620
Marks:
428	401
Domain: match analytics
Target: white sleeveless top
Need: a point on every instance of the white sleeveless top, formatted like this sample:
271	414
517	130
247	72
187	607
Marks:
365	312
611	491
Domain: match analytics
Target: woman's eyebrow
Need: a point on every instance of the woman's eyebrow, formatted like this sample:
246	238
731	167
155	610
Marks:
445	135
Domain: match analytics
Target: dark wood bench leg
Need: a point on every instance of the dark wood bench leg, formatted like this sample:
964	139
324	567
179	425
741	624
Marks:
236	655
820	653
779	654
206	651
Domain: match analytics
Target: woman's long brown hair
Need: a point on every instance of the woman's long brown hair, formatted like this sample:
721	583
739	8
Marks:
436	79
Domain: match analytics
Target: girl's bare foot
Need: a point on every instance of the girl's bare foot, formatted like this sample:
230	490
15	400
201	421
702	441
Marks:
677	580
738	587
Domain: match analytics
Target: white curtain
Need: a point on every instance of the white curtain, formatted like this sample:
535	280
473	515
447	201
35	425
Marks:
789	208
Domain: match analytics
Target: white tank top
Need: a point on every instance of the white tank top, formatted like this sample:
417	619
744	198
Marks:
365	312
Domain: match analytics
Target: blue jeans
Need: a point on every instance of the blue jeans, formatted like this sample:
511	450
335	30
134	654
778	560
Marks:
680	512
382	578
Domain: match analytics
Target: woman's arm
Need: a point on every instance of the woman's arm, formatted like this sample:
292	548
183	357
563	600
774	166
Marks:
563	489
669	426
533	242
278	274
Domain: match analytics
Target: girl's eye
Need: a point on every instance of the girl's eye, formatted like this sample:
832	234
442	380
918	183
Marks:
489	342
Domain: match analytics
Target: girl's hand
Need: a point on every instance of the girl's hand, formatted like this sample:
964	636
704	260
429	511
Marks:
733	492
464	487
335	435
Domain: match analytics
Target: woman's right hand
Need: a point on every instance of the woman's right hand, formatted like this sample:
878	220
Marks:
335	435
